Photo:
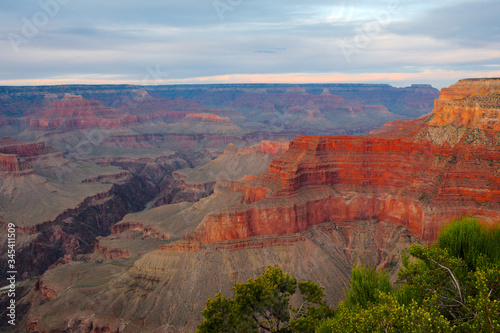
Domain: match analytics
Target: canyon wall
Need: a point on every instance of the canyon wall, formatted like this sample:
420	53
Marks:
409	180
469	103
17	157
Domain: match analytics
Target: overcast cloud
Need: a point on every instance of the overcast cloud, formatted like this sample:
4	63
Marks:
205	41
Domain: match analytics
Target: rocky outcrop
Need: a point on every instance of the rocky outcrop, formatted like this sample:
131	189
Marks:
17	158
24	149
110	253
170	109
205	123
472	103
322	179
193	184
11	165
411	180
113	178
72	112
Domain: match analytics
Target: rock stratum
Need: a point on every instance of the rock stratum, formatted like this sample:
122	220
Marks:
420	176
471	104
32	112
17	157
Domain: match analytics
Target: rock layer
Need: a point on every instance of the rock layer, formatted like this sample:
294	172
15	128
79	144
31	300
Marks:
17	157
472	103
411	176
166	290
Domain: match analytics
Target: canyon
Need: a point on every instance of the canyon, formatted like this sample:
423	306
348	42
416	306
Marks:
189	189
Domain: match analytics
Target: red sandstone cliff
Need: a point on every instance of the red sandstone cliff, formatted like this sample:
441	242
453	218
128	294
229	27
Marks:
471	104
24	149
16	157
419	175
74	112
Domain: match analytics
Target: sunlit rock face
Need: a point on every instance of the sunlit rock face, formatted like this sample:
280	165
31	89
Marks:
418	174
473	103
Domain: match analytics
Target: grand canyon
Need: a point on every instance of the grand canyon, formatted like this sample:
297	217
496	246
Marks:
135	204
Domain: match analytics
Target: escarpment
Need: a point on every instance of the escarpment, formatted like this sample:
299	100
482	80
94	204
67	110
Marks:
469	103
417	175
17	158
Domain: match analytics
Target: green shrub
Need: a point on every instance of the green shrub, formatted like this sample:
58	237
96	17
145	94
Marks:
366	285
466	239
387	316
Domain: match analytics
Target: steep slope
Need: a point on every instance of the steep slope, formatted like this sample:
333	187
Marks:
59	206
469	103
17	158
193	184
179	208
165	290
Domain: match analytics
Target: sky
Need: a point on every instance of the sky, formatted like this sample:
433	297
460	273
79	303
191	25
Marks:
149	42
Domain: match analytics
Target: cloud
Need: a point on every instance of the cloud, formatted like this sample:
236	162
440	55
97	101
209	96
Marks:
469	23
118	40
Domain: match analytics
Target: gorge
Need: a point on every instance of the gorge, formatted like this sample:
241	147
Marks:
185	190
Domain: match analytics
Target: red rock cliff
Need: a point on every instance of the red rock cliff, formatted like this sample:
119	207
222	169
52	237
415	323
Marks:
73	112
16	157
473	103
409	177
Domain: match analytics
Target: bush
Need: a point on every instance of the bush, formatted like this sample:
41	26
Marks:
366	285
387	316
476	245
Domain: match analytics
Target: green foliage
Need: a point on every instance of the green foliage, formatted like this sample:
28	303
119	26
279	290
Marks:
366	285
221	317
266	299
484	304
451	286
457	271
467	240
436	272
387	316
263	304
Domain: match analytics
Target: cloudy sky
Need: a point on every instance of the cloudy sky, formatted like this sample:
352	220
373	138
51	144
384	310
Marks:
229	41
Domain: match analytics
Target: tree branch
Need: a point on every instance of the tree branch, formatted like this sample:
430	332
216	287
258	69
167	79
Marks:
455	282
260	325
